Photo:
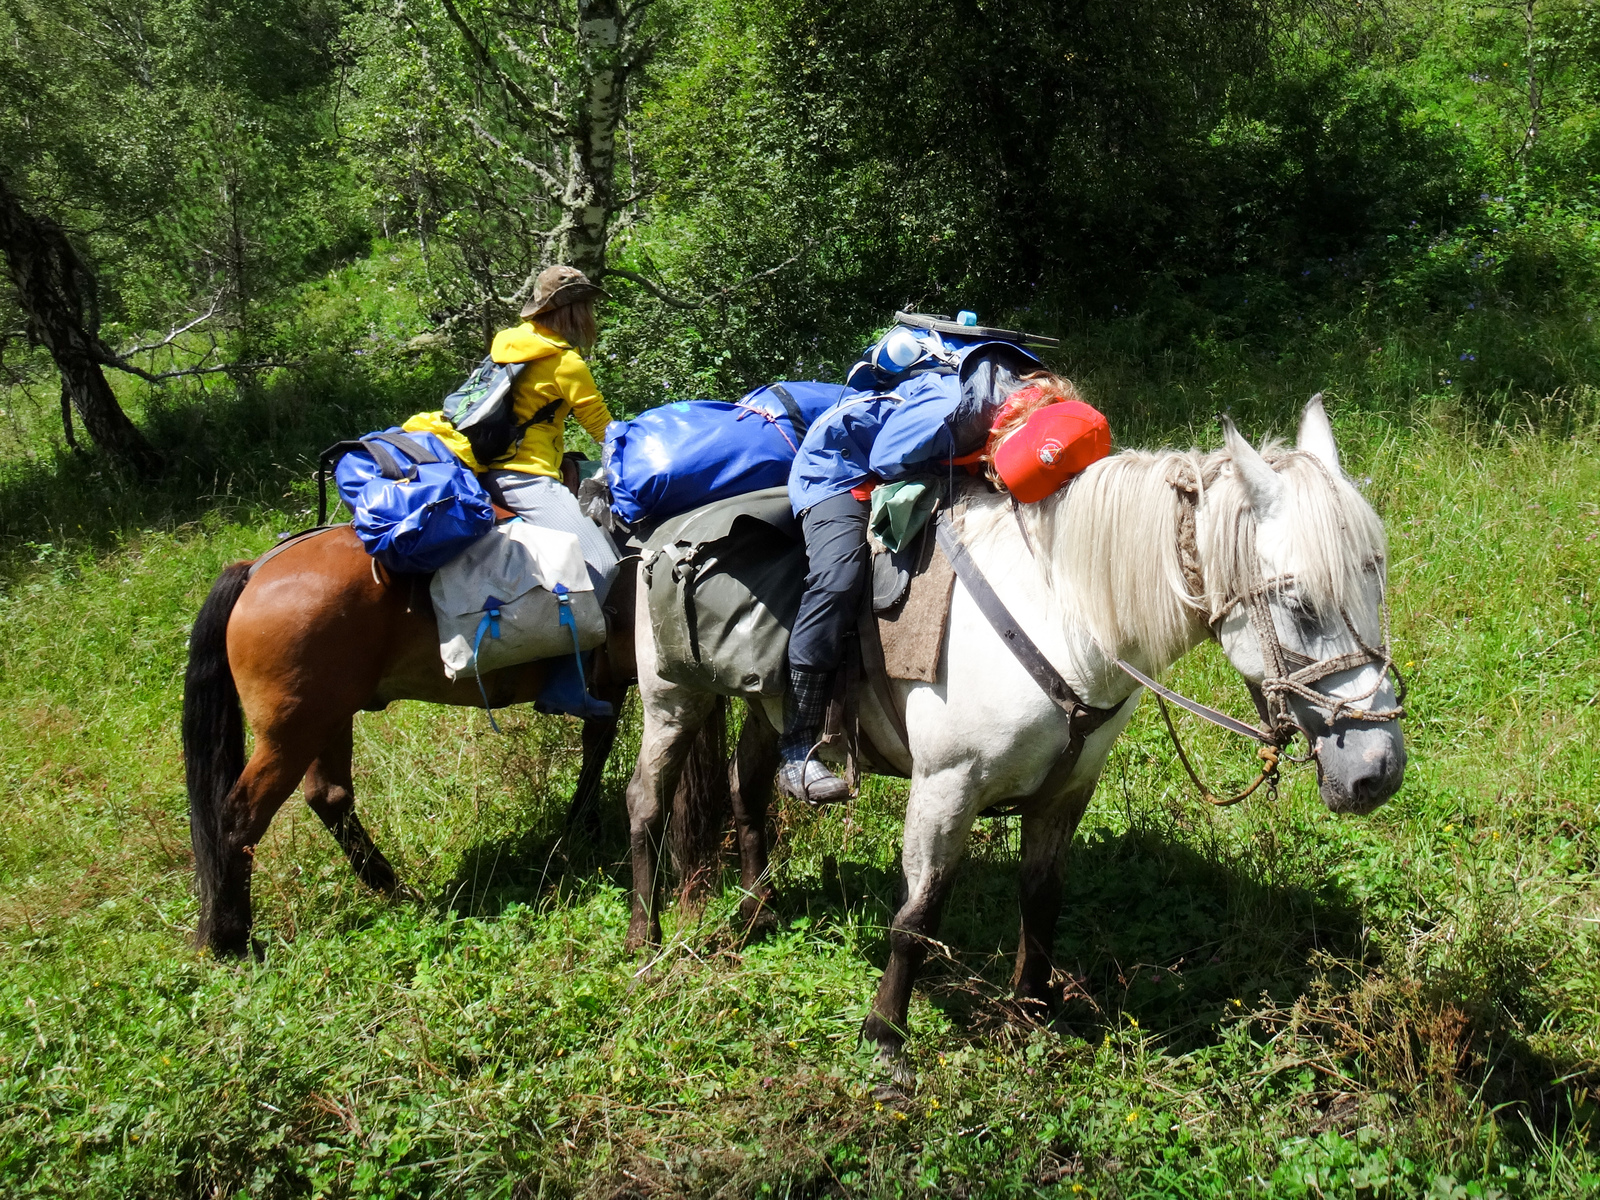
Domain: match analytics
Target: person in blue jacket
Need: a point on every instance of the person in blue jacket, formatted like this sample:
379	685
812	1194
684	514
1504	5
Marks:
868	437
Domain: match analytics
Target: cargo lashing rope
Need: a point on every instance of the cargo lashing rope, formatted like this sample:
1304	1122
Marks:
490	625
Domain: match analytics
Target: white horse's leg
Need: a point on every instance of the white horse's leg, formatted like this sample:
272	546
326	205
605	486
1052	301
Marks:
672	716
938	818
1049	820
755	763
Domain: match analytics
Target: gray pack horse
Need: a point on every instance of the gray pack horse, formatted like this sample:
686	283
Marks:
1274	553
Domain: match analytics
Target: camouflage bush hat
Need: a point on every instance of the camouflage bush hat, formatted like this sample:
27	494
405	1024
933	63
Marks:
559	285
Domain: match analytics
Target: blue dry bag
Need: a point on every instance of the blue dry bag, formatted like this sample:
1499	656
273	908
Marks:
679	456
416	505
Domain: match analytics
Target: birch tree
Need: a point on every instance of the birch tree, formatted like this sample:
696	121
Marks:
541	89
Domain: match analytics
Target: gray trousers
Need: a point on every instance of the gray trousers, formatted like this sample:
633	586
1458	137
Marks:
540	500
836	554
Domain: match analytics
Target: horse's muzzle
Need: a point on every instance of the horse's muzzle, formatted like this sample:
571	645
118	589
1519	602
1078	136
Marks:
1359	764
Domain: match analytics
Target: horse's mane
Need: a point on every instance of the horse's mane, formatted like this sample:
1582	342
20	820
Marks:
1112	561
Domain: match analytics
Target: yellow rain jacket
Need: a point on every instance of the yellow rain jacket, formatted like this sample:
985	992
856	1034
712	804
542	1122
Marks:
555	371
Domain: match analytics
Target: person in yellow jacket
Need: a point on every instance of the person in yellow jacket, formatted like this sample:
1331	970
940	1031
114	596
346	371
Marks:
557	323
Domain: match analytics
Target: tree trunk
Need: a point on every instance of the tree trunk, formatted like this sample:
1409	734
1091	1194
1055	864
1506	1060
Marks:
590	196
46	271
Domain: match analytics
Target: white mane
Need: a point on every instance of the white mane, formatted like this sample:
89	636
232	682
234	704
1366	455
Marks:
1111	557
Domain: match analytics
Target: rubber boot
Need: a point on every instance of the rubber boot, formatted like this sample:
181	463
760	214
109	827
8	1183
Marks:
564	692
800	775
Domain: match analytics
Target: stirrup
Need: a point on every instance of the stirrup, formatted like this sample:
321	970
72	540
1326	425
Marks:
809	781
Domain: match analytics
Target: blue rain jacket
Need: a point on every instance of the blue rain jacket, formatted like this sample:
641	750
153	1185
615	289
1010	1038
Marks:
890	435
929	417
836	454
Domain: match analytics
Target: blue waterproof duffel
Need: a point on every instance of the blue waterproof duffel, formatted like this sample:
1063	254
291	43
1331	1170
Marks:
679	456
416	504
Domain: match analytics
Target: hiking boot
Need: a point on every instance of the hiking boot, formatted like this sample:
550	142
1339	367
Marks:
812	782
805	705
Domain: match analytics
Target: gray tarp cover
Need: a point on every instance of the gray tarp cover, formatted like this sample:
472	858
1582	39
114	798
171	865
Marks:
723	583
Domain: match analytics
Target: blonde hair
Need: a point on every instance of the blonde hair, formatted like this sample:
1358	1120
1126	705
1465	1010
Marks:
574	322
1053	389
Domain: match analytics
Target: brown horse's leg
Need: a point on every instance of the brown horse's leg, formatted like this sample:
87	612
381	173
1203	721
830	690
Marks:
669	735
755	762
599	735
1046	833
330	791
270	775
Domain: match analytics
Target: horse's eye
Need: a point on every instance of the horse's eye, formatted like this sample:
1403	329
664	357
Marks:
1302	613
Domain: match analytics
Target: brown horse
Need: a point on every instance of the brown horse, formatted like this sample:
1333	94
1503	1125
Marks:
317	634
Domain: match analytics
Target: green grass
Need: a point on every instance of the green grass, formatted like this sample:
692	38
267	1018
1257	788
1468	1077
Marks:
1268	1000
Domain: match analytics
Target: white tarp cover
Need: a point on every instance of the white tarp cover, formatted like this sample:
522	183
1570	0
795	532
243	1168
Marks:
516	565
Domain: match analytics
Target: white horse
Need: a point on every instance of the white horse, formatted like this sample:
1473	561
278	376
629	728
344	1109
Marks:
1143	557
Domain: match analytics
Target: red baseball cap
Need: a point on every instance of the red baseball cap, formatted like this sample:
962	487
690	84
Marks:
1052	446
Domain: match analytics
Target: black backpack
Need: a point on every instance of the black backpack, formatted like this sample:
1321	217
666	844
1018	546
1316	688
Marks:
480	410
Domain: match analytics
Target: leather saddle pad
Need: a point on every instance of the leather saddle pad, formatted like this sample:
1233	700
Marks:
911	600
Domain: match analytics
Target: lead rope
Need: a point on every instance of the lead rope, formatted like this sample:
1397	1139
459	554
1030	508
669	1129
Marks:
1268	754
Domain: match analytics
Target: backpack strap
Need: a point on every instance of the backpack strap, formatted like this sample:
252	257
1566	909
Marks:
796	419
545	413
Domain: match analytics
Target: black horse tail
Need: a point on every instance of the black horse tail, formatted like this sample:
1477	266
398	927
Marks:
213	732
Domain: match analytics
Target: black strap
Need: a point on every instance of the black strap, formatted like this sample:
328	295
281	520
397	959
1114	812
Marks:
410	447
376	445
796	419
1029	655
325	462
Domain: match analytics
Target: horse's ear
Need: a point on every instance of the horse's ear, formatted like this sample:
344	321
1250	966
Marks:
1316	434
1261	482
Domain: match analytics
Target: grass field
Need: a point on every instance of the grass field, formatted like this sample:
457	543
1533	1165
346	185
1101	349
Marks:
1267	1000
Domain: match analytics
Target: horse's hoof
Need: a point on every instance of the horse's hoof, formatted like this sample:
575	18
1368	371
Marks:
378	875
892	1061
405	891
757	916
227	945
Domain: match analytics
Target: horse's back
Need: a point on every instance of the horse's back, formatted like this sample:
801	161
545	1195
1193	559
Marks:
312	627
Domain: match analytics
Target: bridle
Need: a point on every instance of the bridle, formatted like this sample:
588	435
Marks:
1286	672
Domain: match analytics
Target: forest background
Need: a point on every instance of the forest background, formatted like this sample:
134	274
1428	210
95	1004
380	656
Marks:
237	232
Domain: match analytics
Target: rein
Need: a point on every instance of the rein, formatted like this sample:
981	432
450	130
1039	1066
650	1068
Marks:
1288	672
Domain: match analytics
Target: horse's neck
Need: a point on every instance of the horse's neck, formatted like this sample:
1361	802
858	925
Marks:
1091	666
